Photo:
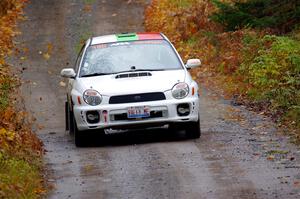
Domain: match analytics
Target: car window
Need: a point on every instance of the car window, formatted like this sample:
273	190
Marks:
77	64
123	56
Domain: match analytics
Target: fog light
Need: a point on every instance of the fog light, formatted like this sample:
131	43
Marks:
92	117
183	109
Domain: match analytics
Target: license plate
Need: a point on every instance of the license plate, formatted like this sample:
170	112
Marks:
138	112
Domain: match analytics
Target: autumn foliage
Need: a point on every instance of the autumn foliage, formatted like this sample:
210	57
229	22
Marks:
20	149
188	25
251	66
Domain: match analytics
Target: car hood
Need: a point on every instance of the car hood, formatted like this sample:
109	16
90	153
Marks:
109	85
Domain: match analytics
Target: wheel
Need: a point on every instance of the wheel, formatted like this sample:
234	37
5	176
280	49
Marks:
193	130
69	117
78	135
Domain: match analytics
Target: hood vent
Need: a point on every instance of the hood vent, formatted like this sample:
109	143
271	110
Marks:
127	75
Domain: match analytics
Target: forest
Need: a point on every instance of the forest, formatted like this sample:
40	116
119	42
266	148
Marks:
250	49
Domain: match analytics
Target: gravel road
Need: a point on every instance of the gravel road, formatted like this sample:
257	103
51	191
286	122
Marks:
240	154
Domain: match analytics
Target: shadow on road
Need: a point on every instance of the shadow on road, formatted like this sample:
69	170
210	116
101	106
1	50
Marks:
132	137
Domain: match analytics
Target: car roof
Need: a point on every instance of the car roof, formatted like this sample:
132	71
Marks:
126	37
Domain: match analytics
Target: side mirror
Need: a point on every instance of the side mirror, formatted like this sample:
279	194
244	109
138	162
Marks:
193	63
68	73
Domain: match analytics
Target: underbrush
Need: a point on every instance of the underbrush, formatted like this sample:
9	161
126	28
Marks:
20	150
250	66
272	72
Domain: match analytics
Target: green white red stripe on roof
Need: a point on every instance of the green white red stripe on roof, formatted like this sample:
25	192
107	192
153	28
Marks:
126	37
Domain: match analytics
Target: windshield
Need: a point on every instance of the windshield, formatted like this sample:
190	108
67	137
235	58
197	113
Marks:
111	58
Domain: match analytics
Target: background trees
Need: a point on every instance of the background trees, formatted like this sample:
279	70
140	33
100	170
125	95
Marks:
282	15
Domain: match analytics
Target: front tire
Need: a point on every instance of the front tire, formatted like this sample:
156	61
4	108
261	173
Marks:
193	130
69	119
78	135
67	116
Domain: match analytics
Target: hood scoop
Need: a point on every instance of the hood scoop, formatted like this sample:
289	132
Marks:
128	75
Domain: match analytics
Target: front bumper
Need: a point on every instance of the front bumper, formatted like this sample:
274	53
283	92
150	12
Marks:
115	115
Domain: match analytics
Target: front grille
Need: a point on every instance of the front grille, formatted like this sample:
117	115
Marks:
123	116
142	97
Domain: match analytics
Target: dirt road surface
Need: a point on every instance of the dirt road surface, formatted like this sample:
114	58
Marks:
239	155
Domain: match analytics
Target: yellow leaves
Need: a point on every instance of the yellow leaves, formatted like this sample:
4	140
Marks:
5	138
88	168
49	48
8	135
196	36
271	157
25	50
9	14
20	149
46	56
87	8
48	52
40	191
2	61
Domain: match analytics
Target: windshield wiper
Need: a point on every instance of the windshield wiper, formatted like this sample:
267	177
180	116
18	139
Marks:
138	70
95	74
125	71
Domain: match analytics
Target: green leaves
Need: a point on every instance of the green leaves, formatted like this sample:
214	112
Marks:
274	72
249	63
277	14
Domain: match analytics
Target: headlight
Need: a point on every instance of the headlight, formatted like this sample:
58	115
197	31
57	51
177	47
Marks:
180	90
92	97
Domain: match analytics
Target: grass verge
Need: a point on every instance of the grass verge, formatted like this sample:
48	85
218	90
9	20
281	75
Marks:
21	151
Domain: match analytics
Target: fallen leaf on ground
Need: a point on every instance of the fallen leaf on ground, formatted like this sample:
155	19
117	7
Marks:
40	191
25	50
46	56
87	8
271	157
40	127
49	48
297	183
88	168
62	84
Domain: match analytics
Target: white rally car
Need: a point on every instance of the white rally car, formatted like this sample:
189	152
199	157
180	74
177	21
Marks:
134	80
